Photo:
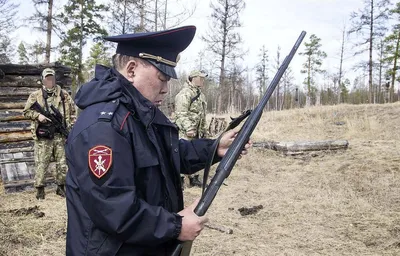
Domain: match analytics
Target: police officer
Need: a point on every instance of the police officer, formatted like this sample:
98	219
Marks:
48	141
124	194
190	113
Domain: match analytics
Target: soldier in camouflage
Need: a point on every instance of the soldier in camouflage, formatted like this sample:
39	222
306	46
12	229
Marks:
47	141
190	113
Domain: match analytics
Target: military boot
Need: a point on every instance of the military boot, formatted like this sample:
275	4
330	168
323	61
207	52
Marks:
195	182
40	193
60	190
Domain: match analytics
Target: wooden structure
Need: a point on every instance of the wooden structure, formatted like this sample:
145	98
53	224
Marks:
16	144
301	147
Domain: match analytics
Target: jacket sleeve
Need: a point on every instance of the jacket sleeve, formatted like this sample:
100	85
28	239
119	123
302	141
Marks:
182	114
28	113
195	153
112	202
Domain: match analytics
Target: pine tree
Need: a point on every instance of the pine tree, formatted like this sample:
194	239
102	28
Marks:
23	54
83	19
8	14
44	20
262	71
392	49
312	66
37	51
98	55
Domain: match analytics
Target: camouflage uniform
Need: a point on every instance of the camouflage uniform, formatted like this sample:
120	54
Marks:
45	148
190	113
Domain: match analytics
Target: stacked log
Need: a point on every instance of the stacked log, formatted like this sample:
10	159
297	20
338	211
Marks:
16	144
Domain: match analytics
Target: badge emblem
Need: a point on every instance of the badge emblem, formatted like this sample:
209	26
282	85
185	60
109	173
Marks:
100	159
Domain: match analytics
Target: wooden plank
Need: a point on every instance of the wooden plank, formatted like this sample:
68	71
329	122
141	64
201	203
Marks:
16	146
21	81
12	105
15	126
36	69
16	91
16	150
11	115
12	98
16	157
15	136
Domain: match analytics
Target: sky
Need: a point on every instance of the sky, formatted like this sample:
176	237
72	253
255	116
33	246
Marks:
264	22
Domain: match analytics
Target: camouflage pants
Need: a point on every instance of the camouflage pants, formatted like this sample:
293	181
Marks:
44	149
188	176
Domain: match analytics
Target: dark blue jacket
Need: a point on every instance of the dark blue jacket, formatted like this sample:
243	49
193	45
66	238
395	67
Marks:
131	209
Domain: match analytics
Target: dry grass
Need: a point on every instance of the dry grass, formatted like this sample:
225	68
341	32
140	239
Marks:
331	203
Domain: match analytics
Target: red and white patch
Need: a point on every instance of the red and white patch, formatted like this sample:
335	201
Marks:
100	160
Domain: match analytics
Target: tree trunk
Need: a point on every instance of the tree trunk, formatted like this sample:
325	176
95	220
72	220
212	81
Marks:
222	90
165	16
155	15
49	30
341	66
142	13
371	36
396	55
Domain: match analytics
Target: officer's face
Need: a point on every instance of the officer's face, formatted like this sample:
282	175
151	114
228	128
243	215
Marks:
49	81
150	82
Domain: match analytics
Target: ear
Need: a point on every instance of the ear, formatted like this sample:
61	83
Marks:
130	69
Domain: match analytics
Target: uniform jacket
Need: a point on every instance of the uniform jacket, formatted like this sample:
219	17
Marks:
131	210
52	100
190	110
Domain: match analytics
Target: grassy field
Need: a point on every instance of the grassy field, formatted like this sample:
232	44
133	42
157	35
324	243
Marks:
324	203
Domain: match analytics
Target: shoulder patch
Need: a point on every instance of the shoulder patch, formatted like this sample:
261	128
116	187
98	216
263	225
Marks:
108	111
100	160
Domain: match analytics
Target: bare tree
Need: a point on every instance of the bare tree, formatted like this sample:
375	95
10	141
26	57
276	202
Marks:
370	22
223	39
287	81
124	14
277	66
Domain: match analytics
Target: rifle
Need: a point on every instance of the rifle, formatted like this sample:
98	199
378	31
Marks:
228	161
55	118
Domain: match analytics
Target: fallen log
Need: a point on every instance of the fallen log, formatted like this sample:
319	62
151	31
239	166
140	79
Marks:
303	146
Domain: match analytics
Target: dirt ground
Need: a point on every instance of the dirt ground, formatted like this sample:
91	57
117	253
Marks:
324	203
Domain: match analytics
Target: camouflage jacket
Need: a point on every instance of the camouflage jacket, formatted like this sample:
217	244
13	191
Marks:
190	111
52	100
